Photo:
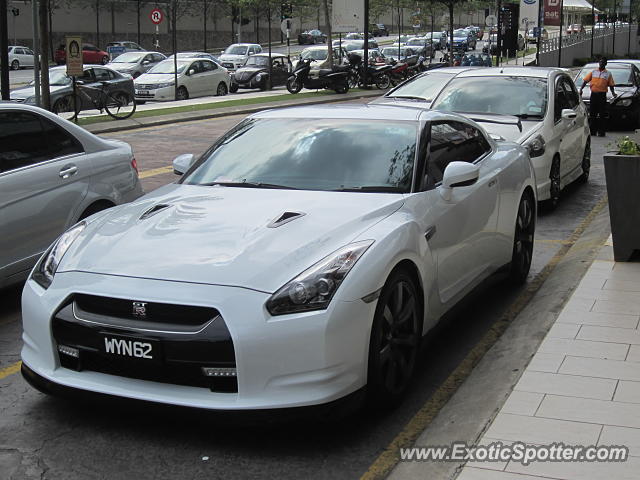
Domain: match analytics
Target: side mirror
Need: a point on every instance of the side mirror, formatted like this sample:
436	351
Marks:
146	62
568	114
191	72
182	163
458	174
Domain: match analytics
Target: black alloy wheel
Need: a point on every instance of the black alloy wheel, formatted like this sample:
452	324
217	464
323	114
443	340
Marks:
395	339
221	90
523	240
293	85
586	162
183	93
554	185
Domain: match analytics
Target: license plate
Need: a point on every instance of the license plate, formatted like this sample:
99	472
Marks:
142	92
127	347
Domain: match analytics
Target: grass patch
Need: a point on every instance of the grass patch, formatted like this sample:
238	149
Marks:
209	106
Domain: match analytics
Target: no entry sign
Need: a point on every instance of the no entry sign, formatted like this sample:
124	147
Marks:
156	16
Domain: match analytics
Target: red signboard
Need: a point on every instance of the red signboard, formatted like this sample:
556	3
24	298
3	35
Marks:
156	16
552	12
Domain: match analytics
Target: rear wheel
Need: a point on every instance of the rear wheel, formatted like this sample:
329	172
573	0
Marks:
66	108
221	91
293	85
523	239
554	184
586	162
342	88
383	81
120	105
15	65
353	80
395	338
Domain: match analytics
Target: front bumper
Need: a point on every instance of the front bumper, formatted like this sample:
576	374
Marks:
617	112
287	361
160	94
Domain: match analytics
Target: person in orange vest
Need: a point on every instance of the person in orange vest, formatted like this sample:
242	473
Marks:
600	79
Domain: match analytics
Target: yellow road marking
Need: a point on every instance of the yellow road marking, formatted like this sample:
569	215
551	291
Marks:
155	171
388	459
561	242
10	370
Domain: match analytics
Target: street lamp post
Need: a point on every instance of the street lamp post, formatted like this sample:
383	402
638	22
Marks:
593	21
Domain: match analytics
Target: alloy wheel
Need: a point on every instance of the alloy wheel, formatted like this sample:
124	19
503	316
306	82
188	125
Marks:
554	185
523	240
586	162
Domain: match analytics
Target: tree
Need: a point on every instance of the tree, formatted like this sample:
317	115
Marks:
450	4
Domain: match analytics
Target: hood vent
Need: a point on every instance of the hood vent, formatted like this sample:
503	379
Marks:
286	217
153	210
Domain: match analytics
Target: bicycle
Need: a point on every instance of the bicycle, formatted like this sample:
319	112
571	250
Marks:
119	105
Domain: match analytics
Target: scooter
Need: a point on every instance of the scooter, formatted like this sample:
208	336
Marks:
303	76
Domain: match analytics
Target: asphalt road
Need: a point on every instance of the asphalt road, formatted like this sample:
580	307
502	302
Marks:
43	437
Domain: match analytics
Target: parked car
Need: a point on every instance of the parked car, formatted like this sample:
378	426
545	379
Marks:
135	63
127	45
477	31
90	54
206	55
62	88
625	108
304	272
462	40
20	57
575	29
551	120
438	39
375	56
312	37
235	55
379	30
544	35
197	77
421	45
319	54
53	174
404	54
255	72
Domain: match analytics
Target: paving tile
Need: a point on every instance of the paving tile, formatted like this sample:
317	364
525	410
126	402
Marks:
563	330
546	362
610	334
490	465
584	348
603	412
599	319
634	354
542	430
627	392
624	275
475	473
595	283
626	307
602	368
580	470
522	403
622	285
576	304
629	437
602	265
569	385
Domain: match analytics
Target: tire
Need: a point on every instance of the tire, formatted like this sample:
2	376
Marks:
104	60
293	85
120	105
586	162
383	81
396	332
183	93
15	65
353	80
140	102
523	240
233	88
554	186
221	91
66	108
343	88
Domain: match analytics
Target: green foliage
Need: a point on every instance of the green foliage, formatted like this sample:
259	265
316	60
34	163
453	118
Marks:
626	146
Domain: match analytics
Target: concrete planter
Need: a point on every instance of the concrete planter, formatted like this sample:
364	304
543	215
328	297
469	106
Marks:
623	189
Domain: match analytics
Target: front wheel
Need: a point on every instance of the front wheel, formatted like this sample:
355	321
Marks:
120	105
383	81
233	88
586	162
395	338
294	85
67	107
554	184
342	88
523	240
353	80
15	65
221	91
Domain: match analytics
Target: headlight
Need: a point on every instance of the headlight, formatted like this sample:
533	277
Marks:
625	102
46	268
165	85
258	77
314	288
536	146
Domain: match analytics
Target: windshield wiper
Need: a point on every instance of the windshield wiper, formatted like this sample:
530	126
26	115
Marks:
249	185
526	116
409	97
371	188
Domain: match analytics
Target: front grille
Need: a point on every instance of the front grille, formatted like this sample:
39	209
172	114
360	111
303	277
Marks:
243	76
178	358
153	312
145	87
227	65
145	95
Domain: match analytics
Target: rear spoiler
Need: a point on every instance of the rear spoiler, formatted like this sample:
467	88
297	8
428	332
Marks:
505	120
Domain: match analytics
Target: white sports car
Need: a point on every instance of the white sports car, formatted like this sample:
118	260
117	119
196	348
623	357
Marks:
297	261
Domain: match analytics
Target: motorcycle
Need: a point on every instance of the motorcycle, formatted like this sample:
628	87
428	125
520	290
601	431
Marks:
303	76
376	75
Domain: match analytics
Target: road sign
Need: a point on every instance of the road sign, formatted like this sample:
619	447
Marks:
491	21
75	65
292	24
156	16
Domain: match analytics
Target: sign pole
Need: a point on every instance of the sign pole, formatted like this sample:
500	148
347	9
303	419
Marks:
36	51
4	50
560	44
269	82
75	99
540	26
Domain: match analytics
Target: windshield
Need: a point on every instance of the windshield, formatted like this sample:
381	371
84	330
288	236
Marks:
393	51
426	86
315	54
313	154
57	77
622	75
167	67
255	60
520	96
129	57
236	50
417	41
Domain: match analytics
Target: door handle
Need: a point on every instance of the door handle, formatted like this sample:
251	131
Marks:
492	183
430	232
66	172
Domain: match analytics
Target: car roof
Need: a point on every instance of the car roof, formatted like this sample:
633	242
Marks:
537	72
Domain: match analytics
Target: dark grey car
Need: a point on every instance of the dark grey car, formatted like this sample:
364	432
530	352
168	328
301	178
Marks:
52	174
135	63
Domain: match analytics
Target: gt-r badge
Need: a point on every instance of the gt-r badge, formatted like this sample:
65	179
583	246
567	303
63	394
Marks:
140	309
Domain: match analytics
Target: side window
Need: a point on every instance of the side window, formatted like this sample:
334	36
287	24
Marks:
28	51
19	51
207	66
570	92
59	141
21	141
102	74
561	101
87	76
148	58
158	57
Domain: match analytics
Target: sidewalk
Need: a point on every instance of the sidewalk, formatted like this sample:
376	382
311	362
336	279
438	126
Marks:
582	387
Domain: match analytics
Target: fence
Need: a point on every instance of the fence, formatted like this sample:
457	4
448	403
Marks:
578	46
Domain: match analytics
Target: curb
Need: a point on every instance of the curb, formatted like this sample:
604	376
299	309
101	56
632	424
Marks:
129	124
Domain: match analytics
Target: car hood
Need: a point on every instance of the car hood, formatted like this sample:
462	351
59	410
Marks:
509	132
222	235
250	70
26	92
122	66
623	92
153	78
